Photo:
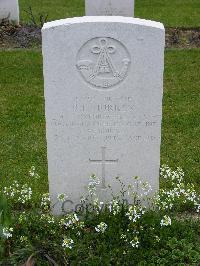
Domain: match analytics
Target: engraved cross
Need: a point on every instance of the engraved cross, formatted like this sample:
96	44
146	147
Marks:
103	162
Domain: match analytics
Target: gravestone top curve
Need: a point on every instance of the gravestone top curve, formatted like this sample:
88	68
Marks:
93	19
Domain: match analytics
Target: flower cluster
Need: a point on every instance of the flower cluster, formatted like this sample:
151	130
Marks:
71	221
139	190
33	173
97	205
45	202
123	237
7	232
114	207
23	239
67	243
179	191
25	194
146	189
135	213
62	197
166	221
101	228
167	173
131	223
197	207
135	242
22	217
93	182
21	194
48	218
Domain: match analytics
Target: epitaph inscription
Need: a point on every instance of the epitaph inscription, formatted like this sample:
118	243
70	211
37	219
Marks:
103	62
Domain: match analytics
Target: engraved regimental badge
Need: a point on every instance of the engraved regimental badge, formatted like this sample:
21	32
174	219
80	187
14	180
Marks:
103	62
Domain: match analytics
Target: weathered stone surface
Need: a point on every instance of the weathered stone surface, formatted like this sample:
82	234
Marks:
103	95
9	9
109	8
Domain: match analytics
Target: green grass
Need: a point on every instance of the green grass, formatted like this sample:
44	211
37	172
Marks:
181	120
182	13
22	121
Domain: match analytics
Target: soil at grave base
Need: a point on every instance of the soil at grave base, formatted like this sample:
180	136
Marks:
29	36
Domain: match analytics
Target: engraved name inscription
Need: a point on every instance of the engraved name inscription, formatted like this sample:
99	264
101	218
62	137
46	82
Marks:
109	120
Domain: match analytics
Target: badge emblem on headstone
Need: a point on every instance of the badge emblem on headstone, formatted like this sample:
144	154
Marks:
103	62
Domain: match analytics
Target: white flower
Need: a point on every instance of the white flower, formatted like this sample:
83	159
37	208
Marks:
101	228
72	221
62	222
114	207
82	200
97	206
135	242
198	208
50	219
135	212
93	182
33	173
7	232
157	238
25	194
166	221
67	243
124	237
19	193
45	201
146	187
62	197
23	238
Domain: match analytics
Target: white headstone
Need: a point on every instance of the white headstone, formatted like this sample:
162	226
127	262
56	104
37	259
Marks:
109	8
103	92
9	9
